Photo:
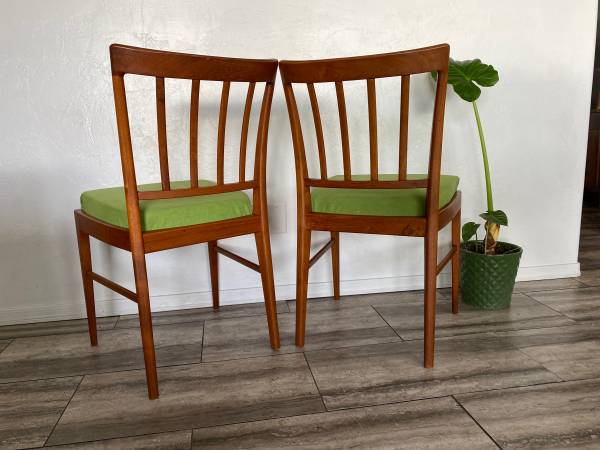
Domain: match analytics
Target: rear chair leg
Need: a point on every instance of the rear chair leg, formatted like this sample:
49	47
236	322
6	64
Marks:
143	296
430	294
213	258
85	257
303	255
263	248
456	262
335	262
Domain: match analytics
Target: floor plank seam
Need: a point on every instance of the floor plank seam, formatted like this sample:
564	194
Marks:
435	397
387	323
49	378
129	436
10	341
127	327
456	393
116	323
476	422
105	372
474	333
533	291
541	364
548	306
315	381
401	402
63	411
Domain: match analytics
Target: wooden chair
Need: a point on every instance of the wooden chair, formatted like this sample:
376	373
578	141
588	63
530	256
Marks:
400	204
149	218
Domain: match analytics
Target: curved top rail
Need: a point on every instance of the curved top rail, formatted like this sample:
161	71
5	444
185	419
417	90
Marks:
427	59
142	61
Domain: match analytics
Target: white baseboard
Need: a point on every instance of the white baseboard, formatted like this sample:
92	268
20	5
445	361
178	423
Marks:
117	306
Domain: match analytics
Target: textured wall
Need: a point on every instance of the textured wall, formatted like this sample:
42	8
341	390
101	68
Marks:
57	133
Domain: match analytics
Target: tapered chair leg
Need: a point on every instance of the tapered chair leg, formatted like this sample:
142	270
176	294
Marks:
263	248
143	296
213	258
85	257
335	263
456	263
303	258
430	295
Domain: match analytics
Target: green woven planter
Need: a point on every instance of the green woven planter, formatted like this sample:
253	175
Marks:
487	282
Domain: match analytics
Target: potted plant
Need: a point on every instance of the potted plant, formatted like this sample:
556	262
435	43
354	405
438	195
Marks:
488	267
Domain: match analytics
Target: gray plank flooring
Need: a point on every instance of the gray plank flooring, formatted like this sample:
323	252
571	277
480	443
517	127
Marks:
528	377
433	424
558	416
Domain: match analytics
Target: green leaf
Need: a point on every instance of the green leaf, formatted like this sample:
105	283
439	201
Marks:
464	76
497	216
469	230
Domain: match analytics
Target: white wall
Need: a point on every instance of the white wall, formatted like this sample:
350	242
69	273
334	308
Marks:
58	138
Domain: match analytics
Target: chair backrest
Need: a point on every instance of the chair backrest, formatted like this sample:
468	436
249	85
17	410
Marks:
196	68
368	68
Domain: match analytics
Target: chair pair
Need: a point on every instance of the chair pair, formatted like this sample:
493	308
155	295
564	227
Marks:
148	218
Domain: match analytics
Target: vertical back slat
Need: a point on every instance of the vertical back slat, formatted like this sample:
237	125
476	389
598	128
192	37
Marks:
161	117
194	107
221	134
372	102
339	90
403	157
245	124
314	104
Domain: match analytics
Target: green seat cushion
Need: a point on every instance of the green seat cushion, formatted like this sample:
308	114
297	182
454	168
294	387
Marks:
380	202
109	206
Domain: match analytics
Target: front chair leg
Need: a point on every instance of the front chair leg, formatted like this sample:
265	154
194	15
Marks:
263	248
456	262
85	257
430	294
335	263
143	296
213	258
303	259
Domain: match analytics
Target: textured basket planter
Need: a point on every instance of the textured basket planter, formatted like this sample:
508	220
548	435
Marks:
487	281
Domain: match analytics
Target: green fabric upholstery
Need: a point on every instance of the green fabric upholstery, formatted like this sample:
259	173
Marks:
380	202
109	206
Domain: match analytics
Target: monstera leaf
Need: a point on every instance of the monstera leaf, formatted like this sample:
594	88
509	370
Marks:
465	76
469	230
497	217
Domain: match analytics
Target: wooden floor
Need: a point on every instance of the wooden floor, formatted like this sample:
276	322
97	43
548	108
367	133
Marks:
528	377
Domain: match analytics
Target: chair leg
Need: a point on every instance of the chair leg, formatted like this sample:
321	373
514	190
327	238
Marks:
85	257
430	294
263	248
456	262
335	262
143	296
303	258
213	258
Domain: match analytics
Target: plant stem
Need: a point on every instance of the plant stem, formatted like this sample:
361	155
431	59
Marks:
486	167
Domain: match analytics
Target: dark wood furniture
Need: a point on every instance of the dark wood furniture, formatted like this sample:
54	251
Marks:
161	65
591	187
369	68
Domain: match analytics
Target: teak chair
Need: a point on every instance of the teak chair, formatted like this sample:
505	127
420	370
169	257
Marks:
399	204
150	218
